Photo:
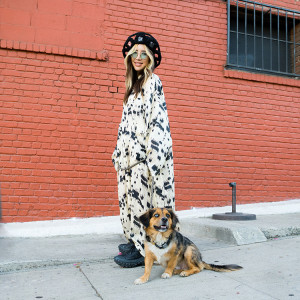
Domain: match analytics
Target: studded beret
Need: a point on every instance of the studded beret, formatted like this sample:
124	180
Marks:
145	39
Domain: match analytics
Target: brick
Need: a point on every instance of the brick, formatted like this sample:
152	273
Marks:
88	10
14	16
82	40
50	36
60	7
59	113
47	20
16	32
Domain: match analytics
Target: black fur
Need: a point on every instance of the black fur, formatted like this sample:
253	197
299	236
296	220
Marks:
175	220
145	218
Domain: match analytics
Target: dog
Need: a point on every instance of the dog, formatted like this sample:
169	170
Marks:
171	249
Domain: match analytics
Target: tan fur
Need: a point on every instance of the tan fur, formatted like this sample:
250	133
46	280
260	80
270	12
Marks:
171	249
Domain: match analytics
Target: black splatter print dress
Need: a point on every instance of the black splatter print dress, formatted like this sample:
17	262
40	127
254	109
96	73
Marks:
144	136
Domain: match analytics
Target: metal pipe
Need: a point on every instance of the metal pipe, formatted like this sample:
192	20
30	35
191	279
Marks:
233	186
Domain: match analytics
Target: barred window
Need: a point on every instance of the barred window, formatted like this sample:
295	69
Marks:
263	38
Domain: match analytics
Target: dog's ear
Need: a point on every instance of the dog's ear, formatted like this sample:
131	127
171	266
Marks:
175	220
145	218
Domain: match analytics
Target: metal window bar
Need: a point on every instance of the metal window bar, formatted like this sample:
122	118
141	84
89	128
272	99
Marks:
228	30
287	20
278	38
246	35
294	40
262	35
237	31
254	36
271	52
286	43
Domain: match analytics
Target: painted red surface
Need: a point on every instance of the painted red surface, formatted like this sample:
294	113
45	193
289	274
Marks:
61	90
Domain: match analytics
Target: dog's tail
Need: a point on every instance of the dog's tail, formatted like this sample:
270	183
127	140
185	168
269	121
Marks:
221	268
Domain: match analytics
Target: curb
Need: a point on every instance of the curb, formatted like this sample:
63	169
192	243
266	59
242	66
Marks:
243	232
112	224
229	233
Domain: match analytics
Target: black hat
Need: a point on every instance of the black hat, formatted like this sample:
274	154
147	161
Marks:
145	39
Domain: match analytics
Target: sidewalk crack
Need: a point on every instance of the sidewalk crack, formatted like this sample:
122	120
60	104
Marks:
94	288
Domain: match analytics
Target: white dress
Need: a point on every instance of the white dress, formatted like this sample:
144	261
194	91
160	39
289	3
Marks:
144	136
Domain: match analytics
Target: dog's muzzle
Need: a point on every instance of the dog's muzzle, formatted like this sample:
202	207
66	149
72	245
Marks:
163	225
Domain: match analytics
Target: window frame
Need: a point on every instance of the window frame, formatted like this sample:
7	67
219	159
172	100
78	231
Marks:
292	56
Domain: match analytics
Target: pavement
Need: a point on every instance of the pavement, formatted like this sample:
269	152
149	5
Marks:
80	266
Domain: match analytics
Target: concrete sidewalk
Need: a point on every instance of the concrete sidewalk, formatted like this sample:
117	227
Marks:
81	266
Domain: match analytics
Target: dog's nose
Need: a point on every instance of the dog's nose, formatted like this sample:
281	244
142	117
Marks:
164	220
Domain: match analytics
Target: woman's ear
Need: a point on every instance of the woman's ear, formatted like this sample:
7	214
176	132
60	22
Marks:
145	218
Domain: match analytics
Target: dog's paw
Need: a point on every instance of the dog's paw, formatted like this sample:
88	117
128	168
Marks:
140	281
183	274
165	276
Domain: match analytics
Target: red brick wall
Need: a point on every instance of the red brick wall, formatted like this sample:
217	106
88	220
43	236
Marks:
66	23
61	102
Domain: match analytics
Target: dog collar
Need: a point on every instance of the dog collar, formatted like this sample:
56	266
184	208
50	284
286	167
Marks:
162	246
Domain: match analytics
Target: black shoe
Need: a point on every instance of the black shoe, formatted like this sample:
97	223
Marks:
130	260
125	248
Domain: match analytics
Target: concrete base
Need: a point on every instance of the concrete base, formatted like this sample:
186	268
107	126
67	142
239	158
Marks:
229	232
234	216
243	232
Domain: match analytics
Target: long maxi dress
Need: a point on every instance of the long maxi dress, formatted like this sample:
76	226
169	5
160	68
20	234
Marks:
143	159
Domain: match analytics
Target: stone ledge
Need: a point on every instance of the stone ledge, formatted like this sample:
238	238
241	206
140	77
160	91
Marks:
56	50
243	232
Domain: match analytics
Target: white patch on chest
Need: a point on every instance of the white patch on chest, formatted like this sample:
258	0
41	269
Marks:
160	253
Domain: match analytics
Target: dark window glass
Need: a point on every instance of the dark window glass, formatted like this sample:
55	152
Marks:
263	38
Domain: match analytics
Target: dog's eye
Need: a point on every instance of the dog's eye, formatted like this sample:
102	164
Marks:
168	216
156	215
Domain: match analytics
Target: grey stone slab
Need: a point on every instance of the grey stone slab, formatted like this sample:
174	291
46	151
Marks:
117	283
64	282
226	231
271	268
244	232
270	271
28	253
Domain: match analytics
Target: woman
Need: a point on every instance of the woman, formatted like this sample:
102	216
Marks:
143	155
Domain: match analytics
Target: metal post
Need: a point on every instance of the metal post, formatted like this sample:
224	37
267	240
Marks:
236	216
233	185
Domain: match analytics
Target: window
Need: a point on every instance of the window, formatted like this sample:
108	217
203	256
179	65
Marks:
263	38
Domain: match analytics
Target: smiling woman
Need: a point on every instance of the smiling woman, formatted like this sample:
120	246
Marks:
143	156
139	58
140	64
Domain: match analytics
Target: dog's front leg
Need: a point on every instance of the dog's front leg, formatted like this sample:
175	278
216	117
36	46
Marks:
149	260
171	265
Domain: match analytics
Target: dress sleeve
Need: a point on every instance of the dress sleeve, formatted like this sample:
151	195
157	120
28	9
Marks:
159	141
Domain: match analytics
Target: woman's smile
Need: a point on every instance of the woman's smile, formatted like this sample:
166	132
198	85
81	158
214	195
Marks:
140	58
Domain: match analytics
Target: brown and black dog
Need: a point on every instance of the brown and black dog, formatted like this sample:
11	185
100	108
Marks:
171	249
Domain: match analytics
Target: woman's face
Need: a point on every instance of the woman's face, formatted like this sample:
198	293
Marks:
139	58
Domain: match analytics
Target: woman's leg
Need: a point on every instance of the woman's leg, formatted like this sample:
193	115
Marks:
134	199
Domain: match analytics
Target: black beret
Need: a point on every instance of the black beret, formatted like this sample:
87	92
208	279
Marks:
145	39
